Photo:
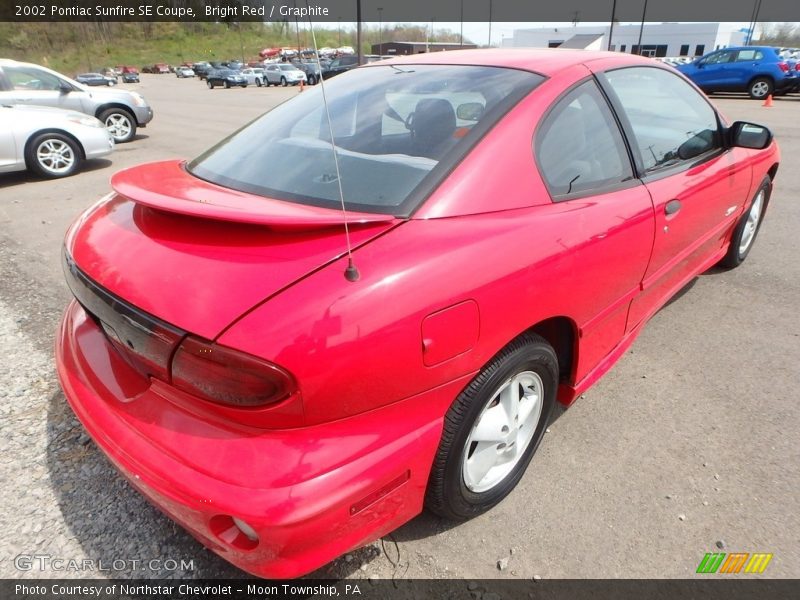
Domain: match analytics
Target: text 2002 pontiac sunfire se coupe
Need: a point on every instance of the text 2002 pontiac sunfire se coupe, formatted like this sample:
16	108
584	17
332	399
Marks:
515	218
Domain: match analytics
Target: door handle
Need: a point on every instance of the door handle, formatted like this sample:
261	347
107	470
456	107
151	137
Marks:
672	207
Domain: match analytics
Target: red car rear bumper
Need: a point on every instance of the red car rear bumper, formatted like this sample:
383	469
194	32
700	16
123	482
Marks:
312	493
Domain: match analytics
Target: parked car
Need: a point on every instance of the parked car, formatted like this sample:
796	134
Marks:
283	74
111	73
757	70
340	65
50	142
201	69
183	72
160	68
121	111
225	77
94	79
310	68
130	77
253	75
303	392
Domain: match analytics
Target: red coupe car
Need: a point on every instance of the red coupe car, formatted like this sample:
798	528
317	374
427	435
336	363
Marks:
515	218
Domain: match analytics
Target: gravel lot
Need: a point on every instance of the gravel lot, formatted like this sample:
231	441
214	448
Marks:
691	440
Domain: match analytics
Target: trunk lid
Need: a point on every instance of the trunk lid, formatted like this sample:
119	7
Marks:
197	255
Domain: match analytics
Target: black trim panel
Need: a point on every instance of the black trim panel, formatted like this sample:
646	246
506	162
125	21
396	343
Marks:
146	342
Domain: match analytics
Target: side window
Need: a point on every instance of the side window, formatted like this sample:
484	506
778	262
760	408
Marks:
24	78
671	121
720	58
579	147
749	55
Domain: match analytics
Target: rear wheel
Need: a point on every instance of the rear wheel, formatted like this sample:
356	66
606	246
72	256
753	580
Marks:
747	229
53	155
210	85
258	83
227	85
493	429
283	81
760	88
312	80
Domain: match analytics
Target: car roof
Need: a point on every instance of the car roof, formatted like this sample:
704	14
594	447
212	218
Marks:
546	61
749	48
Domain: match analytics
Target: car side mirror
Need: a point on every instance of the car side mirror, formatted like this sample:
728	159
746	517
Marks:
469	111
749	135
64	88
699	64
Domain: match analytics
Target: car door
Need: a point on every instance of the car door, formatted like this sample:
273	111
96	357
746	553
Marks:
602	215
8	149
31	85
713	71
272	74
698	186
746	65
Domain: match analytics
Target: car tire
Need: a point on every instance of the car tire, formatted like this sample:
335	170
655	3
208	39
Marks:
744	235
284	82
210	85
120	123
227	85
760	88
312	80
258	83
461	486
53	155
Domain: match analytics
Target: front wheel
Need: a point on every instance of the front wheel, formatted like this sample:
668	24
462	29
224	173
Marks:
747	229
493	429
283	81
760	88
120	124
210	85
312	80
227	85
258	83
53	155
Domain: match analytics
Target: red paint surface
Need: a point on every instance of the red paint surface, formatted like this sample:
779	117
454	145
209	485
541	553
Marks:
488	256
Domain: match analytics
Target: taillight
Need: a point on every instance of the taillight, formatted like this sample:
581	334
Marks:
228	377
783	67
797	66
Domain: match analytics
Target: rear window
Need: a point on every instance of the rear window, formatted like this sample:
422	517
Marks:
398	130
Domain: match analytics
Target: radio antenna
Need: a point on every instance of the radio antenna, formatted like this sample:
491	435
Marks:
351	272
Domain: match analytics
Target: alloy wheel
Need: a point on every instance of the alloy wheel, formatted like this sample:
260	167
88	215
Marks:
751	225
55	156
503	431
118	125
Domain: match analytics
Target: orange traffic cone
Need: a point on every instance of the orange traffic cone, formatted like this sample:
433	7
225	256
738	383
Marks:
768	101
302	84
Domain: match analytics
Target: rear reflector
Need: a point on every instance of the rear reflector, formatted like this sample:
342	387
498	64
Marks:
228	377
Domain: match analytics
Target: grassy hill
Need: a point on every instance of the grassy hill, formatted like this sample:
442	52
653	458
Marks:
78	47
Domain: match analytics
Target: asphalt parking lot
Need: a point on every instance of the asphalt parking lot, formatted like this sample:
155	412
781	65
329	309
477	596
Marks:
689	442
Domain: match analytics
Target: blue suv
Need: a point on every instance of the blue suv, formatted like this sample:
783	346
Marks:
757	70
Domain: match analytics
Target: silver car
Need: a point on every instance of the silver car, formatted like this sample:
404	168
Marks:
121	111
283	74
254	76
49	141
